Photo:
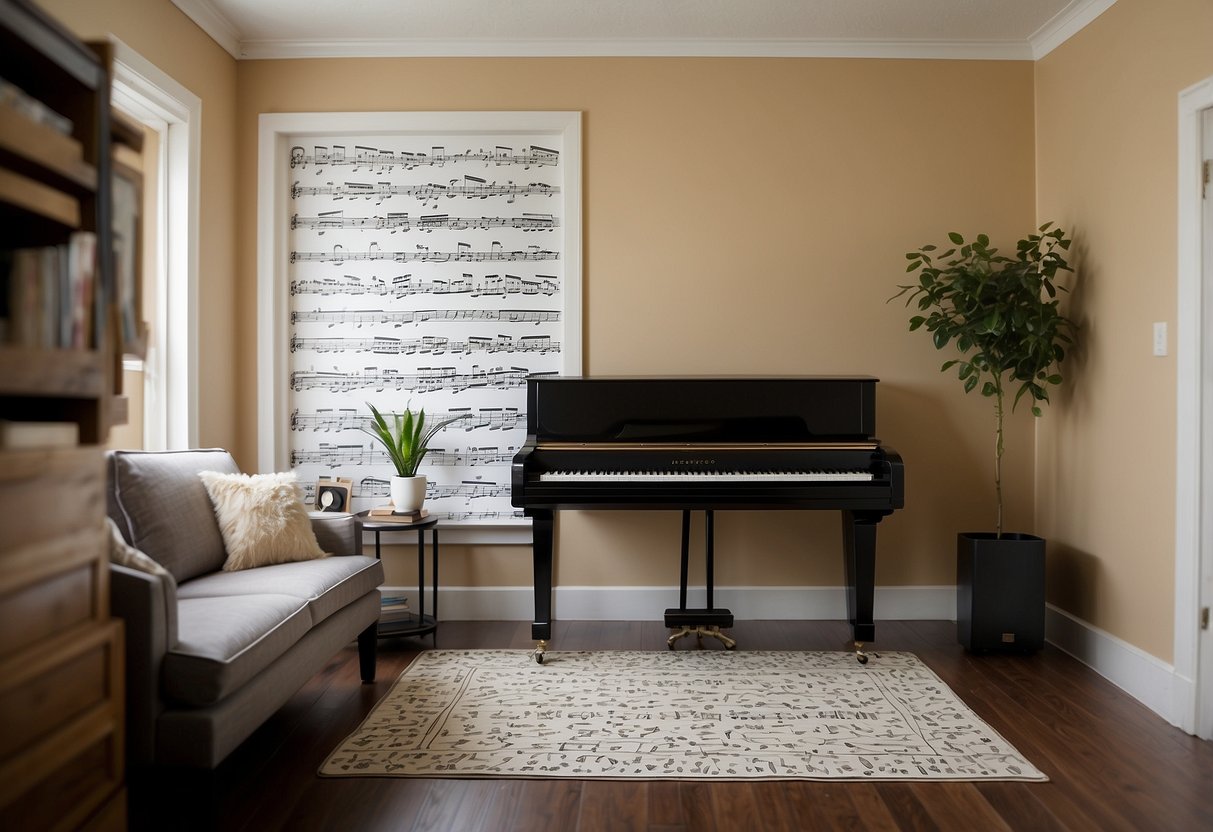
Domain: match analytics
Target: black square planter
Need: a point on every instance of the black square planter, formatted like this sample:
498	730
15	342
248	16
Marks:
1000	592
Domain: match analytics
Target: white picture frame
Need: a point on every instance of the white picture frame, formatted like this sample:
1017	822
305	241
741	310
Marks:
382	235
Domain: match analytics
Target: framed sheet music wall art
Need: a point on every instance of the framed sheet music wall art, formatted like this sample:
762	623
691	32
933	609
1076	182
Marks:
423	259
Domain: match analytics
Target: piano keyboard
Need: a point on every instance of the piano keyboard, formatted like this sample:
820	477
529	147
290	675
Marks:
706	476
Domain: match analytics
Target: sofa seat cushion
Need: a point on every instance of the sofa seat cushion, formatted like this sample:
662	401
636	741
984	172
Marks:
163	510
224	641
324	585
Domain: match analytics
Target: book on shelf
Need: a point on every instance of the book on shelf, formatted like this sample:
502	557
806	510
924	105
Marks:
393	607
19	101
389	514
30	435
46	294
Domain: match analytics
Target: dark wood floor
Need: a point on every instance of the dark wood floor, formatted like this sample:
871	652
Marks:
1112	763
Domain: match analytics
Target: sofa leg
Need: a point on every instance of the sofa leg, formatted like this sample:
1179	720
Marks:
368	642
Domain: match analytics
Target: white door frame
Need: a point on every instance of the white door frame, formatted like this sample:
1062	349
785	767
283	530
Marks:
1193	690
144	91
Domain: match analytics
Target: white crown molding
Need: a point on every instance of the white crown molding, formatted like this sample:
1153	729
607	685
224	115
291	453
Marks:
1044	40
214	23
992	50
1065	24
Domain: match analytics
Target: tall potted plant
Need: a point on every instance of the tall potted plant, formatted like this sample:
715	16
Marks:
406	439
1002	314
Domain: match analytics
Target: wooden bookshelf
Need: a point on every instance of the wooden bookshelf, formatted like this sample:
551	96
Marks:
61	655
26	145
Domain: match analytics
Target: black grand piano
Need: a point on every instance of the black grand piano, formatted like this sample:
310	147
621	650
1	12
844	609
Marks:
699	443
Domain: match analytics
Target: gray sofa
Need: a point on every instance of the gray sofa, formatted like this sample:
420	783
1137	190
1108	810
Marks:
211	654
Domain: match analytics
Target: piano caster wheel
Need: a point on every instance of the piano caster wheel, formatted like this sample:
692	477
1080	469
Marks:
537	653
860	656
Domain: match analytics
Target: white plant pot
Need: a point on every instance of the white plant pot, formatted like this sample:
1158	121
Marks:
408	493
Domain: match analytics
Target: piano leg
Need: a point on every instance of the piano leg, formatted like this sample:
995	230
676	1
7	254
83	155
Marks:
859	554
541	627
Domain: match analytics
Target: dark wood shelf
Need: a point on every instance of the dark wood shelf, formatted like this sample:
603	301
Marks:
42	152
32	196
61	655
29	371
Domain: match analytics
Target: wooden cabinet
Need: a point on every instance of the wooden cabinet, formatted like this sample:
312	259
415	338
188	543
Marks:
61	655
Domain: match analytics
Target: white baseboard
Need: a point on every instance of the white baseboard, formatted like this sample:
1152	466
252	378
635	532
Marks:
1146	678
648	603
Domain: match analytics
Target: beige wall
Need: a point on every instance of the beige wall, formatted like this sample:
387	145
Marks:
741	216
1106	167
750	216
159	32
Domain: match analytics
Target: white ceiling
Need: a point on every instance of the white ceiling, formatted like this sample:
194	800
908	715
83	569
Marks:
982	29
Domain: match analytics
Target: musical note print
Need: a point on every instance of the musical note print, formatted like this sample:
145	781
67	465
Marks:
427	379
372	488
405	285
378	159
463	254
363	317
490	274
334	220
428	345
335	420
334	456
470	187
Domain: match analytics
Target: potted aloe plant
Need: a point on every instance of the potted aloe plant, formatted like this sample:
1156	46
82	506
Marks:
1002	314
406	439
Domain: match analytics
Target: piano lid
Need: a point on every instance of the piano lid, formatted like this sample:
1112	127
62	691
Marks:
702	408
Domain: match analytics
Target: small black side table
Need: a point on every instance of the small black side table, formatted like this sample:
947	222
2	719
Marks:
418	623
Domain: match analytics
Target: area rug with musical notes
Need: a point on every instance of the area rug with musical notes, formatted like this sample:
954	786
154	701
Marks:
677	715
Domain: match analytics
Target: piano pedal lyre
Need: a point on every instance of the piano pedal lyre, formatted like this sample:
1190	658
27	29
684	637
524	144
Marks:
541	647
699	631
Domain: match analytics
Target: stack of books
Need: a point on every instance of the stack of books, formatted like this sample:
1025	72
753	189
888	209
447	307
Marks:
46	294
393	607
389	514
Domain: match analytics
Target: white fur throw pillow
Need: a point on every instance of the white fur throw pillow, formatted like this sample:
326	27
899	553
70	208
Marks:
127	555
262	519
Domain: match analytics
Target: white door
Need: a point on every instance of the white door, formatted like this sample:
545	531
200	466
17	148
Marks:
1205	512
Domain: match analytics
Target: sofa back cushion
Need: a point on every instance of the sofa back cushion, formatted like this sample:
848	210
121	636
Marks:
162	508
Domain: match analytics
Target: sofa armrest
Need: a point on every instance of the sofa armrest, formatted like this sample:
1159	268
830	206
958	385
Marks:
337	534
147	604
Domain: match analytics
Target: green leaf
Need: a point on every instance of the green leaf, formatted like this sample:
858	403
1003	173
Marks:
407	438
955	238
916	322
970	383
